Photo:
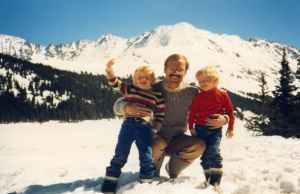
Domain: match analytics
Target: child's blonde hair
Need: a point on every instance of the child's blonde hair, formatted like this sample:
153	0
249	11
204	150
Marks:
147	70
209	71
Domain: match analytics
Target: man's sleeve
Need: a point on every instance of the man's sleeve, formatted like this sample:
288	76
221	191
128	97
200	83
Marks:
193	109
229	110
119	106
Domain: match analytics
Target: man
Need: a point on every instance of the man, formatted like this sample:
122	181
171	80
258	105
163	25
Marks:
171	140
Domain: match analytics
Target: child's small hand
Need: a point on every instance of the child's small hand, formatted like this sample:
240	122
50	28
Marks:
229	133
193	132
109	70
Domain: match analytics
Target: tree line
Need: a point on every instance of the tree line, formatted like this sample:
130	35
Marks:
88	96
279	110
71	96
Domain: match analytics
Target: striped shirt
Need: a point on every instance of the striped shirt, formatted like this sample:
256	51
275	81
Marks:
152	100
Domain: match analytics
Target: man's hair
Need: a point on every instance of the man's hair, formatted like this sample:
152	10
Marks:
176	57
209	71
145	69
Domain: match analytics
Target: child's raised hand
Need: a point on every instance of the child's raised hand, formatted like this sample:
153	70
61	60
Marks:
229	133
110	63
109	70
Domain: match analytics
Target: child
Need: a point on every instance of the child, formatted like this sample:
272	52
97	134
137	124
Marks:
135	128
208	102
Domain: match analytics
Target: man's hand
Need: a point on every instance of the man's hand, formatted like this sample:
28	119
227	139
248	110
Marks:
216	121
133	110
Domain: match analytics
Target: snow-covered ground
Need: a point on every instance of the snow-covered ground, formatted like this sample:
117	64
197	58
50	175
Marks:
56	158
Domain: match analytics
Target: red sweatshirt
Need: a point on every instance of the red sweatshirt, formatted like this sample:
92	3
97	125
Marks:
206	103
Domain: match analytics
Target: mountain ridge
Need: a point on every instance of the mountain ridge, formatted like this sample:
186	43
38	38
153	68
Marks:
238	60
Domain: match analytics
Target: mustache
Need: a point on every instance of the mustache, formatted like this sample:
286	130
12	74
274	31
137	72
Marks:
176	75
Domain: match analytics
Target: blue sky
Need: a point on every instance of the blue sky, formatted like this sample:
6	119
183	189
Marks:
58	21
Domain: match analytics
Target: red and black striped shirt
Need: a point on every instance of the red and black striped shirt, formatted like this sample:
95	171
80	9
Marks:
150	99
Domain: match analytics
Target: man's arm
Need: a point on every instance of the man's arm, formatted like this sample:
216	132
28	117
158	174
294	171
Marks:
217	121
122	108
118	107
229	110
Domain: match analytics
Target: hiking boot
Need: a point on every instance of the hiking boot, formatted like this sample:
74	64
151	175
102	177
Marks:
213	176
109	185
207	176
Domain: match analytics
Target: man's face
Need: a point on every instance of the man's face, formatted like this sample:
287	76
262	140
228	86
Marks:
175	70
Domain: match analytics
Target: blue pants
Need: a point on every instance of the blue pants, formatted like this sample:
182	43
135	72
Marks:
133	129
211	158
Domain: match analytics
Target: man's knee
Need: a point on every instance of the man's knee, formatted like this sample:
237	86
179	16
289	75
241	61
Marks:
158	147
194	151
199	147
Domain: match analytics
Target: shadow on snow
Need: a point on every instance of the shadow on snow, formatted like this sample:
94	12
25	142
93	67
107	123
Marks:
87	184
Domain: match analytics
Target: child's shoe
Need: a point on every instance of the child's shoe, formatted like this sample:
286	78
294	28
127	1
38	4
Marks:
109	185
215	177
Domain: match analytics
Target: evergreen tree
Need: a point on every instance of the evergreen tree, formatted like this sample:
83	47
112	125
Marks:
283	105
259	123
298	70
264	99
297	108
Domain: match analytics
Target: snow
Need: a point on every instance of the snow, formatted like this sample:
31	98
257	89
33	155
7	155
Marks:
2	71
56	157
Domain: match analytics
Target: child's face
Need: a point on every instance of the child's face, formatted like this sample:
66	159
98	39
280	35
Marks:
143	80
206	82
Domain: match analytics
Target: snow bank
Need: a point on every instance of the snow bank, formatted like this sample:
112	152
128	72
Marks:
56	157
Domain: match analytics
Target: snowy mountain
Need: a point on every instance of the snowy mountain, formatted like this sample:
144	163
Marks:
238	60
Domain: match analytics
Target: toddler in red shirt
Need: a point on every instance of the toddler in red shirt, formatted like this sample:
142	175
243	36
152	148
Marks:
209	101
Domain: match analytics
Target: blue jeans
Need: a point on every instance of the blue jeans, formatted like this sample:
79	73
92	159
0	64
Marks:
211	158
133	129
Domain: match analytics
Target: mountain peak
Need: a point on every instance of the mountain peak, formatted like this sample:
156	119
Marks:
184	25
181	26
5	37
109	37
181	33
